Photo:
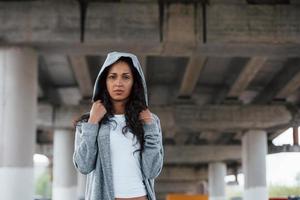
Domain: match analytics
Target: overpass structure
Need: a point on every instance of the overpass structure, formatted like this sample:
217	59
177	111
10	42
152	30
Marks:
223	76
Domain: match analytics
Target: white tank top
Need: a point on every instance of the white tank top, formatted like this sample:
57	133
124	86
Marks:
127	176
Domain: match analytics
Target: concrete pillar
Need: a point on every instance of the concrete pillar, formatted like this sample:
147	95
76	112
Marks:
295	136
18	108
216	180
81	182
64	173
254	151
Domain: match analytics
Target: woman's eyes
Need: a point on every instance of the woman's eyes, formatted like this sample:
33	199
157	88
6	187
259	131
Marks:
114	77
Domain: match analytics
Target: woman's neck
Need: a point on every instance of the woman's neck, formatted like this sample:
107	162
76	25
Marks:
119	108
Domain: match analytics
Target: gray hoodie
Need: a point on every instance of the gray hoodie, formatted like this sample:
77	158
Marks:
92	147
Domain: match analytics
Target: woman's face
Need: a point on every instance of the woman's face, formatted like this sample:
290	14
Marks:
119	81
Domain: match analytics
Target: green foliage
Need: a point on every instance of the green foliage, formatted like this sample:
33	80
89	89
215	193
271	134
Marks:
233	192
283	191
43	185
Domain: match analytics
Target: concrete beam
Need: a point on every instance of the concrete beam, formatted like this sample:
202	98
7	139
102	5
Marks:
277	132
48	22
210	136
132	22
200	154
46	84
290	87
176	173
168	123
69	95
233	68
81	70
231	117
284	148
190	173
246	76
59	70
40	21
194	118
158	49
181	26
180	138
242	23
191	75
238	136
231	22
59	73
280	80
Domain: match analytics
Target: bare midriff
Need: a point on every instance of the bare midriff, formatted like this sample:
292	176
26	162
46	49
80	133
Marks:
133	198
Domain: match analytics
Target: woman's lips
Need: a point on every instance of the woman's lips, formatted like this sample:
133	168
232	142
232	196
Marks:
118	91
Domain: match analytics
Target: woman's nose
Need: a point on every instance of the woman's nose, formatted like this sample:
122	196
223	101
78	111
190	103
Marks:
119	82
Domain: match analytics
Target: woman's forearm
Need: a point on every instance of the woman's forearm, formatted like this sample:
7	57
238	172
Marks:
152	156
86	149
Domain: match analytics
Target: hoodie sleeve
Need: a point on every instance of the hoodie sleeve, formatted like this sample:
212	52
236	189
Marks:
153	154
85	147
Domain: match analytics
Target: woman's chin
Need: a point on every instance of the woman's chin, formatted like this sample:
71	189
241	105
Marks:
119	99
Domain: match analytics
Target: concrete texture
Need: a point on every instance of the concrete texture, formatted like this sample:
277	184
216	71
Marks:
18	107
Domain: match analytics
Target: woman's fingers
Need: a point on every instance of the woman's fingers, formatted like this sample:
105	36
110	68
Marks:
97	111
145	116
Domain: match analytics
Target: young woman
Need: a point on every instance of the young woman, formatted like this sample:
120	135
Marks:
118	144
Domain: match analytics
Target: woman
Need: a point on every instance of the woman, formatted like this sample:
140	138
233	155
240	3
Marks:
118	144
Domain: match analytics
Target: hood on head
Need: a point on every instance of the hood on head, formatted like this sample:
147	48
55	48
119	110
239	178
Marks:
111	58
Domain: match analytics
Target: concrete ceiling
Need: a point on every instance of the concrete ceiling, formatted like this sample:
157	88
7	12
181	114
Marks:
219	57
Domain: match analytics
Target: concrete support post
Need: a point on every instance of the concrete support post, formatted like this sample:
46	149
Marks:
295	136
18	108
254	151
64	173
216	180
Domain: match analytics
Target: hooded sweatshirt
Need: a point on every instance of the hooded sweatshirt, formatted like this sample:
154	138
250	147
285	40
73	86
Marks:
92	154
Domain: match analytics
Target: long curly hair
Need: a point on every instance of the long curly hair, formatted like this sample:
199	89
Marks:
135	104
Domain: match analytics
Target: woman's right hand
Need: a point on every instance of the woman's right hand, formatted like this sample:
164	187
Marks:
97	112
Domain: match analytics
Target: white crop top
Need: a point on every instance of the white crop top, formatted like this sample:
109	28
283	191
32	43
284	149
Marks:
127	176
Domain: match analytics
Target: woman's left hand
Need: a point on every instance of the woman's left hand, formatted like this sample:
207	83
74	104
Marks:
146	116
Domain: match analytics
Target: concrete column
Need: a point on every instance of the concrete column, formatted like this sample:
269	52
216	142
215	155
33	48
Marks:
18	108
295	136
64	173
254	151
216	180
81	181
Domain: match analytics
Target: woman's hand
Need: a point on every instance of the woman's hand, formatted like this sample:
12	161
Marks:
97	112
146	116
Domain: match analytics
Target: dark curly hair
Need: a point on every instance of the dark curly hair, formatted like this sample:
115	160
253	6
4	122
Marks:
135	104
